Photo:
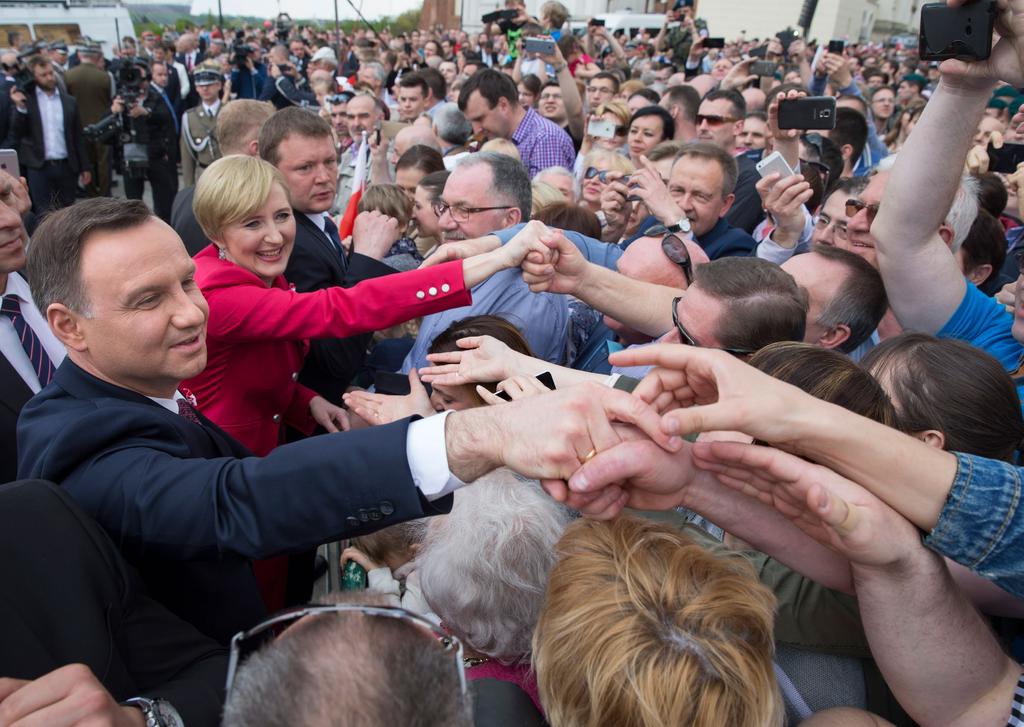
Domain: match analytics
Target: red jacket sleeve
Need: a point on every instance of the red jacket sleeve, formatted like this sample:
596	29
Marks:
247	312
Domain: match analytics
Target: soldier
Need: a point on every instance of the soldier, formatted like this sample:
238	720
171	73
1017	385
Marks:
199	148
57	52
93	89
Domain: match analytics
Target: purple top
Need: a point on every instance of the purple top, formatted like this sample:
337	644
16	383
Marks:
542	144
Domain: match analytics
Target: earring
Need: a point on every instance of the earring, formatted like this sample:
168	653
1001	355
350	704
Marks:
221	255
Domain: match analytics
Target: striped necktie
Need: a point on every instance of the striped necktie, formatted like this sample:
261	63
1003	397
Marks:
37	355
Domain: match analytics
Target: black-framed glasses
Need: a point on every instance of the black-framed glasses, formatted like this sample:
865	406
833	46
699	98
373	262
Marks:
689	340
244	643
676	251
714	119
460	213
854	205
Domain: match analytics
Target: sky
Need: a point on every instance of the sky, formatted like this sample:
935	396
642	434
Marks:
318	9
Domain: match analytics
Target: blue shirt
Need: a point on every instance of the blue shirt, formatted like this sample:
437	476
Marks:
986	324
542	318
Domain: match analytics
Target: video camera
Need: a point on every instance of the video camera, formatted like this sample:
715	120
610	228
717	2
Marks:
283	25
117	129
21	72
503	18
240	50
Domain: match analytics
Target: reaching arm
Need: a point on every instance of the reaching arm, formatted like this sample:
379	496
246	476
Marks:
921	276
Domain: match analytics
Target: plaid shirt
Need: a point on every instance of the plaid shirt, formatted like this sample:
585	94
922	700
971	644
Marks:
542	144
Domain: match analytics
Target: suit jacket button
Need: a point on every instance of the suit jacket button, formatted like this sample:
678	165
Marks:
352	522
375	515
420	294
445	288
432	291
276	417
386	507
363	516
295	376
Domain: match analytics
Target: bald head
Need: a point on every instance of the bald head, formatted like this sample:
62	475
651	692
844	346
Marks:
415	135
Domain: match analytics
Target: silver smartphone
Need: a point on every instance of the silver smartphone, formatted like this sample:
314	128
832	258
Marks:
601	129
774	163
9	162
541	46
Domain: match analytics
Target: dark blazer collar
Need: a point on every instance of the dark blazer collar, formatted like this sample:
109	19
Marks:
14	392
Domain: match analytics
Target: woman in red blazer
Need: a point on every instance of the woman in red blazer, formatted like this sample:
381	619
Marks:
259	328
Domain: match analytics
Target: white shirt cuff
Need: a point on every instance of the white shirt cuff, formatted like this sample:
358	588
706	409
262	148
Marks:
428	457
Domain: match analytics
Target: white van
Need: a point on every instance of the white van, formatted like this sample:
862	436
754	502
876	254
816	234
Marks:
27	21
632	23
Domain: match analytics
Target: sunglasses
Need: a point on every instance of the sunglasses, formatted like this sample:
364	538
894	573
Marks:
686	338
854	206
815	140
602	176
714	119
245	643
822	169
675	250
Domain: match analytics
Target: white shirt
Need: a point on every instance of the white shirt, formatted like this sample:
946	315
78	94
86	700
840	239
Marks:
51	112
10	341
212	110
319	219
424	448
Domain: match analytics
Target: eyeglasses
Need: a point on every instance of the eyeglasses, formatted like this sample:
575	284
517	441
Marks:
854	205
823	222
460	213
686	338
823	172
244	643
714	119
676	251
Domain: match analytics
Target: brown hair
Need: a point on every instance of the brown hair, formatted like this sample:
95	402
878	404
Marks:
292	121
860	302
240	121
55	255
761	302
397	540
828	375
494	326
421	157
692	630
952	387
570	216
390	199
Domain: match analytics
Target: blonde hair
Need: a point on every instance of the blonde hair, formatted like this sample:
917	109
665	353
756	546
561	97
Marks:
630	87
616	162
641	627
388	199
543	194
231	189
502	146
616	108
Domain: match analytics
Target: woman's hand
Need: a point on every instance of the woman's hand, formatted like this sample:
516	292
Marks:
387	408
327	415
483	359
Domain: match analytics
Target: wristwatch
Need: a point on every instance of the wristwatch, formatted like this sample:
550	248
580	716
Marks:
157	712
682	226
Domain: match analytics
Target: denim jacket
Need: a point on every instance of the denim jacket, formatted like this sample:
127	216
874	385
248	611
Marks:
981	525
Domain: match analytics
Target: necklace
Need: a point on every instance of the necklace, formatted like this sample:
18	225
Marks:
470	661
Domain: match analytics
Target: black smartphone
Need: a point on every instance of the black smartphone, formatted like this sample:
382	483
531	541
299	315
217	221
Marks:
763	69
837	47
408	49
812	112
714	42
964	32
545	378
386	382
597	21
1006	158
499	15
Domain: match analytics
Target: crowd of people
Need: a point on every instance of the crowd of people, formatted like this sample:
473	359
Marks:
613	423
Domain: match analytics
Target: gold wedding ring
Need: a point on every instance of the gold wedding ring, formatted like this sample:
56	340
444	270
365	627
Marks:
589	456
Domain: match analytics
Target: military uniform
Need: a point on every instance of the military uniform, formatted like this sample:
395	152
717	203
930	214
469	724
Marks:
199	147
93	89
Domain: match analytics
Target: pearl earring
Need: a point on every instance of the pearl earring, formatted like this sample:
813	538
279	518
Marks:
221	255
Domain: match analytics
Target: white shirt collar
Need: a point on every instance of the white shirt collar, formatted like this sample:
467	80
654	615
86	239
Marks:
49	96
212	110
18	287
170	405
317	219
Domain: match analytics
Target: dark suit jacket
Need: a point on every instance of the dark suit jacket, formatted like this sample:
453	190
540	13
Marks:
27	131
184	221
722	240
190	506
314	265
14	394
69	598
746	211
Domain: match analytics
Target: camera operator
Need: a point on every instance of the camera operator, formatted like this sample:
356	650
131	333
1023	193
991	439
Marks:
48	133
93	89
286	87
152	123
248	75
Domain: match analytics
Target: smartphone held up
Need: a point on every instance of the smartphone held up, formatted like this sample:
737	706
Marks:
811	112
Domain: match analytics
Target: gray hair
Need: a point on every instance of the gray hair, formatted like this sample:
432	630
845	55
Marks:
484	568
509	179
963	211
385	670
378	70
451	125
559	172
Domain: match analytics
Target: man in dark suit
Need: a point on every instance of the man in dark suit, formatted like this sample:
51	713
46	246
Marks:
294	139
48	131
86	627
29	352
187	504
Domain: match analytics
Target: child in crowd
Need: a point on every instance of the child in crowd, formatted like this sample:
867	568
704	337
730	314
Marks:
389	558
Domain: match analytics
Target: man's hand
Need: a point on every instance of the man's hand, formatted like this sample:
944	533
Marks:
516	387
373	234
66	697
527	242
275	72
386	408
739	76
19	98
838	70
483	359
117	106
564	272
646	184
354	554
555	59
773	117
796	50
830	508
85	177
783	198
327	415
